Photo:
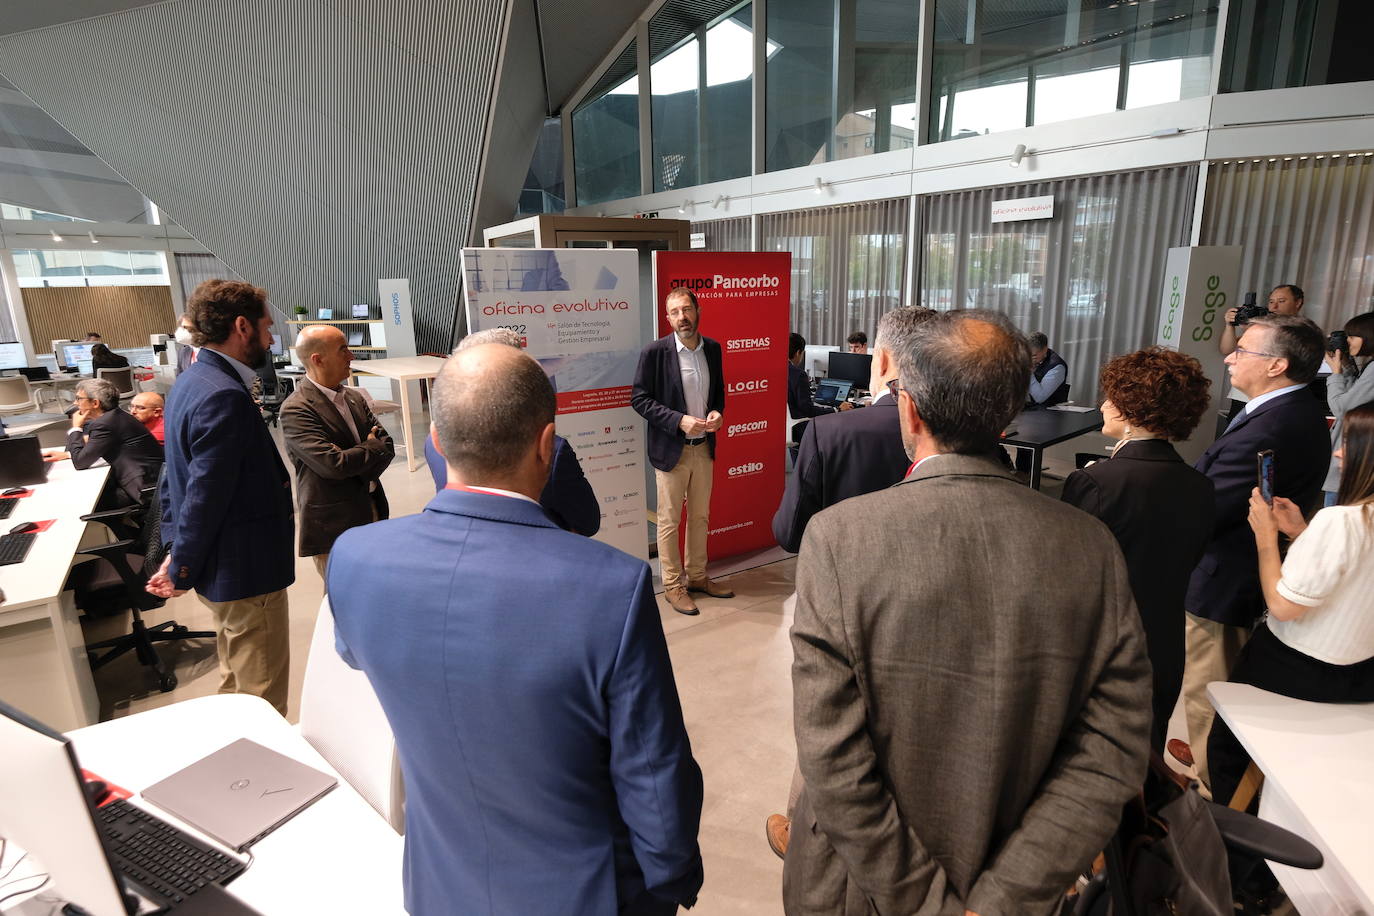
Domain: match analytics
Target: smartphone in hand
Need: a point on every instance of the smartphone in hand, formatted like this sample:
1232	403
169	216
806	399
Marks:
1265	473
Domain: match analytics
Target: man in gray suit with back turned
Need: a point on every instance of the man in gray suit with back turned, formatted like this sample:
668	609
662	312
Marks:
972	704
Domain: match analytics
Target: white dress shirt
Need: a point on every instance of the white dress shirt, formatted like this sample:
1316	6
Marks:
244	371
1328	569
1253	404
336	397
696	377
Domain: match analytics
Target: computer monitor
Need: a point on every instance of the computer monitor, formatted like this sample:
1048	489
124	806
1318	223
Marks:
817	359
362	310
276	344
78	355
45	811
12	356
853	367
355	337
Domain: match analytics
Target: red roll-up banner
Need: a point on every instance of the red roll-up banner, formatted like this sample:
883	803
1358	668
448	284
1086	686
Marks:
745	299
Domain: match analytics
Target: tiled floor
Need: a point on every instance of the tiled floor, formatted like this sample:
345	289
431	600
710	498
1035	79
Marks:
732	665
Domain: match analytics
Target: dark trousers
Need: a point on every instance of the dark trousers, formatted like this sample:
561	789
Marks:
1267	663
1164	641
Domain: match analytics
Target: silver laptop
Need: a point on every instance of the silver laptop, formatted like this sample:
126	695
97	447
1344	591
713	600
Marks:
240	793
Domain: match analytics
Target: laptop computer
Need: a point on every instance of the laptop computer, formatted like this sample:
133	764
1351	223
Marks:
240	793
21	462
35	373
830	392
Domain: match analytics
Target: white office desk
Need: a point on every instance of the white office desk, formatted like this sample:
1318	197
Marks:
1317	759
43	666
403	369
336	856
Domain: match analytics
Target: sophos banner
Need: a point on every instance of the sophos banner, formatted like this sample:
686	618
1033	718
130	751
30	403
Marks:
745	305
578	313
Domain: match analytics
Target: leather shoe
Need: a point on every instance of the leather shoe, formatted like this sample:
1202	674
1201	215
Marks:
710	589
778	829
681	602
1180	751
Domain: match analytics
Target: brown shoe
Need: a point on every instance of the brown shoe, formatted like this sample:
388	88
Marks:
681	602
710	589
1180	751
778	829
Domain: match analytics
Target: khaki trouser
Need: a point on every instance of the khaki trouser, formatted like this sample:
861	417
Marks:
1212	652
252	637
690	480
321	560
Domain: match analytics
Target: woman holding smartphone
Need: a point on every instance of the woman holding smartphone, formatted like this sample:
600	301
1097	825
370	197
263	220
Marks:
1317	642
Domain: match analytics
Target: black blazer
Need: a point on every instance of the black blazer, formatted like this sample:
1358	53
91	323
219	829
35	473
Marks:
1225	586
134	456
657	397
1160	511
799	403
841	455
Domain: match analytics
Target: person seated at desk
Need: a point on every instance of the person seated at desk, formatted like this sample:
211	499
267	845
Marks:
101	430
91	337
857	342
147	407
102	357
1049	374
567	497
799	402
525	675
1317	642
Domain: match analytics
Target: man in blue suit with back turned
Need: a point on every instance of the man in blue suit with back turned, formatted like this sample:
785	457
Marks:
525	675
567	497
226	499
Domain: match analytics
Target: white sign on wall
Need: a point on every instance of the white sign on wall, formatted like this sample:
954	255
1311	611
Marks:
1199	286
396	317
1010	211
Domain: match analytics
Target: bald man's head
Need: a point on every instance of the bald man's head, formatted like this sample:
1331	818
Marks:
146	406
323	350
490	405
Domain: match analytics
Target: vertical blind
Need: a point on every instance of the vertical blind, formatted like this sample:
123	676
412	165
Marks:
848	265
1307	220
726	234
1090	277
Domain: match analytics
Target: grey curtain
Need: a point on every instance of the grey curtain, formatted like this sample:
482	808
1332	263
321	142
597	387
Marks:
1090	277
1307	220
848	265
726	234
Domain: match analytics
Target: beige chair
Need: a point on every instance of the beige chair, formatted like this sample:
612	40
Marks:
16	396
343	720
122	379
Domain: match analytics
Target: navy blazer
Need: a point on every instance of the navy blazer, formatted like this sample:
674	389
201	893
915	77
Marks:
799	402
226	498
567	497
526	677
841	455
657	397
1225	586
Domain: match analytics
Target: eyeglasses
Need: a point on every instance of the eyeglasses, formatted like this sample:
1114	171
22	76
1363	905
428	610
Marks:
1241	351
894	386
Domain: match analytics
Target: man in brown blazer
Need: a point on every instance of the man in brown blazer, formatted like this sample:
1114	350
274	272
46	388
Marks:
337	446
972	700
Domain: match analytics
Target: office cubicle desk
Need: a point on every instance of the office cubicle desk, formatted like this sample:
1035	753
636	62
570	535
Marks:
1316	763
43	666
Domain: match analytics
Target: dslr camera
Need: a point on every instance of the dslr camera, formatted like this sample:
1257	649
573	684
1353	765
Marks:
1338	342
1250	310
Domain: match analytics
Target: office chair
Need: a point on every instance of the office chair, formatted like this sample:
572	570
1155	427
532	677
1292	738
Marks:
115	583
123	380
16	396
271	397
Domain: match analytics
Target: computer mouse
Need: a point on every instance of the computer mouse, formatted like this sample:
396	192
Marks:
15	491
24	527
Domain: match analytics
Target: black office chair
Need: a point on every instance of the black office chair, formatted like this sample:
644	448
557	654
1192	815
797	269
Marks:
1139	877
271	397
115	582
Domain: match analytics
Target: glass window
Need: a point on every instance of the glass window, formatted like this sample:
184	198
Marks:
727	102
106	263
148	262
19	211
676	82
606	139
1274	44
543	190
818	113
59	263
89	267
997	69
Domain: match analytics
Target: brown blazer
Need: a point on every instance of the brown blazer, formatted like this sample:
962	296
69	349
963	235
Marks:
971	698
333	473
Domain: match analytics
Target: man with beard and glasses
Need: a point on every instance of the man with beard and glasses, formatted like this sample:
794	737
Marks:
226	498
680	389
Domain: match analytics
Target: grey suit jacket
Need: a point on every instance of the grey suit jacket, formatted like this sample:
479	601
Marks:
972	698
334	474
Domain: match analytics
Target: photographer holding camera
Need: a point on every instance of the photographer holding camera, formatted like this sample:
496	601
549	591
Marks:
1348	353
1284	299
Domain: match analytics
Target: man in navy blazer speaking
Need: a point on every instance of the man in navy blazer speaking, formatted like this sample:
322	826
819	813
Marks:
227	512
680	389
525	675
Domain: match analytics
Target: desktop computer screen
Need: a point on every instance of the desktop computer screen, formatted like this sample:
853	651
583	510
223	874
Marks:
78	355
852	367
276	344
12	356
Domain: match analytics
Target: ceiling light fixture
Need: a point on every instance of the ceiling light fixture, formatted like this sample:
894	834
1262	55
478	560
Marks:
720	199
1017	155
94	240
820	186
56	237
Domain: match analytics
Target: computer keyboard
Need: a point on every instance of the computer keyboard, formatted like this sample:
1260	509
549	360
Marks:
7	506
15	547
160	858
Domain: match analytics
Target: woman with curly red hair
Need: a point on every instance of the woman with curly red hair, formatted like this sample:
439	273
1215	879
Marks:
1159	508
